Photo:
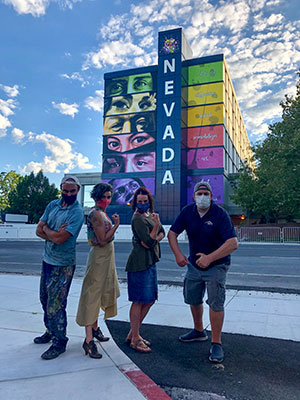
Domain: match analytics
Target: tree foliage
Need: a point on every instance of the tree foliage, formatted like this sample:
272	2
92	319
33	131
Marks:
31	196
8	183
273	188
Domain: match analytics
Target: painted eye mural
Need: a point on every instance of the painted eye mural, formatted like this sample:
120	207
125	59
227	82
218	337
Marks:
124	188
129	84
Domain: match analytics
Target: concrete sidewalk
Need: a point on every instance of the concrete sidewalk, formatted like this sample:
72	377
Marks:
24	375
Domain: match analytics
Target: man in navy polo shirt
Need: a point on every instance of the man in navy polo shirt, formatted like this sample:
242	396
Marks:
59	226
212	239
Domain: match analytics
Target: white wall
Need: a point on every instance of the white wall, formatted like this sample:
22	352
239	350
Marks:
27	232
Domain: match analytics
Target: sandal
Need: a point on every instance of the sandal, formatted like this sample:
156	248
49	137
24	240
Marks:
140	346
147	343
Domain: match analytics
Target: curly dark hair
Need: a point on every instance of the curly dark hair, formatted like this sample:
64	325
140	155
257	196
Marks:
99	190
145	191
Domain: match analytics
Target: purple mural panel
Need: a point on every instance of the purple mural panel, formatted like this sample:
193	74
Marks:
124	188
207	157
215	181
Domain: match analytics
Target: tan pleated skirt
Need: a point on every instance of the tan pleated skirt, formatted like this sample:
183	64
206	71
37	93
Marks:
100	288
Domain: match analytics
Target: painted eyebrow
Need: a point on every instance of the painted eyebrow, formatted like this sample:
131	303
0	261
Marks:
142	77
143	155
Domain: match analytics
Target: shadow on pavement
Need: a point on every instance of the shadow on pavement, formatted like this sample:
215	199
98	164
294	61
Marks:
255	368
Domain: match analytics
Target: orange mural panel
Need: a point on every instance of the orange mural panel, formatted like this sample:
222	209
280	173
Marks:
204	136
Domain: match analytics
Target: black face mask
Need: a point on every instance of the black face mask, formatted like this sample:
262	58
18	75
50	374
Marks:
69	199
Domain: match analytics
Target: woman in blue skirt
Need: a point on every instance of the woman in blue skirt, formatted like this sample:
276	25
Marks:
141	265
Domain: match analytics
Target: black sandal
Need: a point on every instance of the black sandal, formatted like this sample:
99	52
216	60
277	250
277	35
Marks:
97	334
91	349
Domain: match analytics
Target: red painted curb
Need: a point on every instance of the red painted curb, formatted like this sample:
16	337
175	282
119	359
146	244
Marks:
145	385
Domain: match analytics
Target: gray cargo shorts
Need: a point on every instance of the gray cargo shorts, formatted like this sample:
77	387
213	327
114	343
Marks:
212	279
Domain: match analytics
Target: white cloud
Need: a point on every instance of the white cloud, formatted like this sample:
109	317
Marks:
7	107
37	8
273	2
95	102
62	158
67	3
257	119
4	124
144	31
11	91
257	5
114	28
233	15
145	59
75	77
115	52
17	135
66	109
33	7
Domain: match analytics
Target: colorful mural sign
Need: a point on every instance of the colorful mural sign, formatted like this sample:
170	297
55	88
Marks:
163	128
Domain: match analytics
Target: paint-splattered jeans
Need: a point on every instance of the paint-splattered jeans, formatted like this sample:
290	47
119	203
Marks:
54	289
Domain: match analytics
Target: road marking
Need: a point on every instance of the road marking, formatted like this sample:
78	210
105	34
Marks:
268	275
31	263
284	258
19	263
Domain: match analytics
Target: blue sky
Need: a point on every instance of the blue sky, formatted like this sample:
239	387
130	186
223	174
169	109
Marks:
54	54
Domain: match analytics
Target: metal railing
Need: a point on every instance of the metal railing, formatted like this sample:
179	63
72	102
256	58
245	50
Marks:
291	234
287	234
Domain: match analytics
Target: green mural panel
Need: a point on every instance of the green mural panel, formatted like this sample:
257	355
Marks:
204	73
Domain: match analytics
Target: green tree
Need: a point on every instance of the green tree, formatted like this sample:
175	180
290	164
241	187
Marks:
272	189
8	183
31	196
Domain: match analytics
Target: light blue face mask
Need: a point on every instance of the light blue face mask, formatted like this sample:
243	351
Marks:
202	201
142	207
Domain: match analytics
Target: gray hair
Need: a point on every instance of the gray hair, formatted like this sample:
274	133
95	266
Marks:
99	190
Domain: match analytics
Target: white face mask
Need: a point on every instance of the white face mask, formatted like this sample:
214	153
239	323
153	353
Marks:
202	201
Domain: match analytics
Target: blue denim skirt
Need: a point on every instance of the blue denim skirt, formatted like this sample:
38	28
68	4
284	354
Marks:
142	285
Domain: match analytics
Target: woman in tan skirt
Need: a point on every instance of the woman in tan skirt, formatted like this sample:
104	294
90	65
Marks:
100	288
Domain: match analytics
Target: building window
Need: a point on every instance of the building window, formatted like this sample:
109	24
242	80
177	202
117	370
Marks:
87	200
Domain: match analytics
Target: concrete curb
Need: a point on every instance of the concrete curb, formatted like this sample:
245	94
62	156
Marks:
144	384
149	389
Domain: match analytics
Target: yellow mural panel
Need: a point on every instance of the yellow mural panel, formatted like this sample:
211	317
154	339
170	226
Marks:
205	94
205	115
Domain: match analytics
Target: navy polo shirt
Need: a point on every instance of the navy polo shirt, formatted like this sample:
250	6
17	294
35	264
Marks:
205	234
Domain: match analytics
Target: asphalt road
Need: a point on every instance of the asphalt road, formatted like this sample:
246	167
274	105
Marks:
273	267
254	368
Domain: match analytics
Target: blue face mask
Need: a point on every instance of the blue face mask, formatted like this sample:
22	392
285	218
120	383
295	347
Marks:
142	208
